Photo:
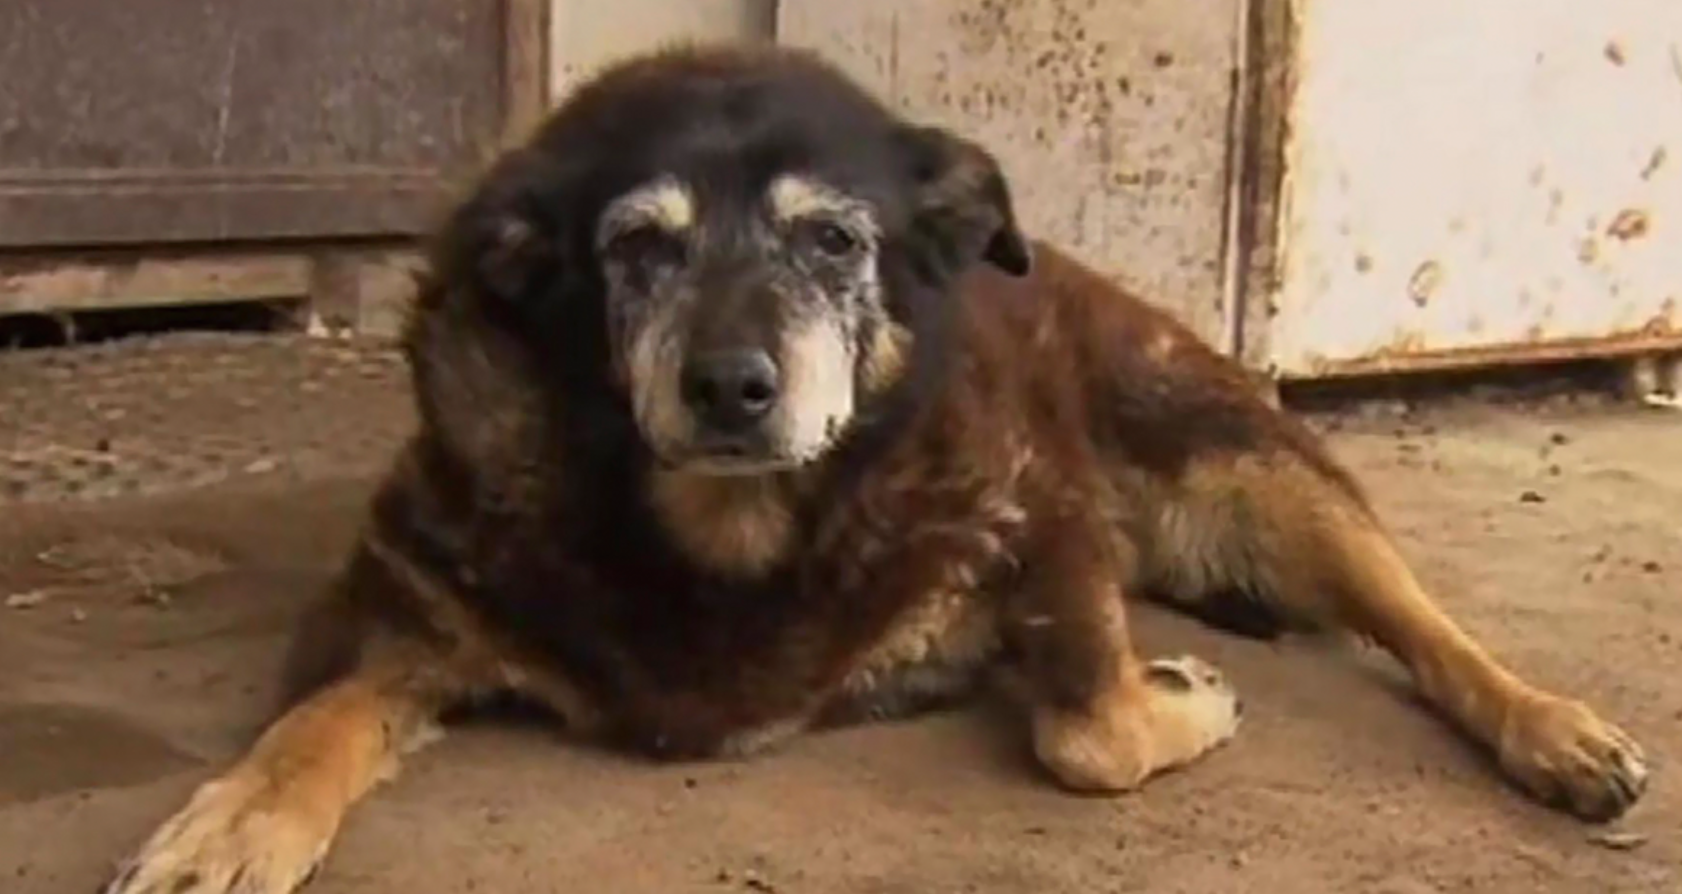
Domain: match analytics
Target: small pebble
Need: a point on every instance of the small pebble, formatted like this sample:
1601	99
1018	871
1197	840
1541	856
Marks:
26	600
1618	841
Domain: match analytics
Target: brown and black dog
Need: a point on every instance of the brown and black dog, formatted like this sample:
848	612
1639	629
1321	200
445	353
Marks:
746	407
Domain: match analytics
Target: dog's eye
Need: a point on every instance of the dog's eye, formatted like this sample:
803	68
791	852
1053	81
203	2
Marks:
645	246
831	238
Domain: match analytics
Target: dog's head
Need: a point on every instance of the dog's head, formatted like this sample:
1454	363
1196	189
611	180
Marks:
758	243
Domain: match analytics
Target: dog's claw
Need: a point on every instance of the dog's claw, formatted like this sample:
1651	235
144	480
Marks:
1566	755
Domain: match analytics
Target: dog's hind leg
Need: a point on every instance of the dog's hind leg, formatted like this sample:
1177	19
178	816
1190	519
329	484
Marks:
265	824
1104	719
1306	545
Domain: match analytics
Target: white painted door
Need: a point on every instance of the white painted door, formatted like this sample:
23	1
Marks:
1473	181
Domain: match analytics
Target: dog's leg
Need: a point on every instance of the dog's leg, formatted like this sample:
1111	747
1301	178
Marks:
1555	747
264	825
1314	550
1105	720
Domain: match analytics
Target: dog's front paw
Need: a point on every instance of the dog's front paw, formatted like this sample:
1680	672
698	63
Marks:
1183	709
236	836
1197	704
1565	755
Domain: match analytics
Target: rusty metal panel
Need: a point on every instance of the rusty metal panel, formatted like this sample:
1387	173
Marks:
177	120
586	34
1110	118
1474	181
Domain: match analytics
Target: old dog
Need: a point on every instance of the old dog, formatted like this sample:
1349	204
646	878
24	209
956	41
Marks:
746	406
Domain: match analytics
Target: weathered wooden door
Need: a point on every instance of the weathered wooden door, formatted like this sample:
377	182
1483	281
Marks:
207	121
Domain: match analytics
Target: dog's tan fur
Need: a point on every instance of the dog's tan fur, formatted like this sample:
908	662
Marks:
739	526
1077	448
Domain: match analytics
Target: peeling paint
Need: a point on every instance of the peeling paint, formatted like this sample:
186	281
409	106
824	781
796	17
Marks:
1426	279
1654	162
1588	250
1631	223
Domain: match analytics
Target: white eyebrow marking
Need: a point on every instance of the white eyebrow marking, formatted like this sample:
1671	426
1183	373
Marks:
795	197
663	202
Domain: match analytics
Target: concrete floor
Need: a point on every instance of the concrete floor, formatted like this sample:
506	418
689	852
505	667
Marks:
147	607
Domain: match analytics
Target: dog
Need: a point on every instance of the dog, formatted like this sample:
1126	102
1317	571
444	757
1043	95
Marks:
746	407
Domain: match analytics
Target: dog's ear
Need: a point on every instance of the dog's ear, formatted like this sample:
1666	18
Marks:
507	236
963	204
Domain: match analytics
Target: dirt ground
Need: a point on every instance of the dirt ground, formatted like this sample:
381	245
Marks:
146	607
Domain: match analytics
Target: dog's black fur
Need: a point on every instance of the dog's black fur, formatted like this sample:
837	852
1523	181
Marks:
554	509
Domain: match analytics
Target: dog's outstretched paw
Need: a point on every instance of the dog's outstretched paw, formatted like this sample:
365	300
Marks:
233	837
1565	755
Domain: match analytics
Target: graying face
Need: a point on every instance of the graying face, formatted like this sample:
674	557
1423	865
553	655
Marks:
743	335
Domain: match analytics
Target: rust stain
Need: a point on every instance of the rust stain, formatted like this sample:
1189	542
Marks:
1588	250
1405	341
1614	52
1655	336
1654	162
1631	223
1426	279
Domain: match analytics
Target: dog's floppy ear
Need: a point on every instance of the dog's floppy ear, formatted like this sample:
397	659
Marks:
507	236
963	203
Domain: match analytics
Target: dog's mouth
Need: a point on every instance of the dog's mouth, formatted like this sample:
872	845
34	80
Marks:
730	457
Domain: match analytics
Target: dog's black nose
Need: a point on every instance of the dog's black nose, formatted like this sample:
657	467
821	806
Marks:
730	390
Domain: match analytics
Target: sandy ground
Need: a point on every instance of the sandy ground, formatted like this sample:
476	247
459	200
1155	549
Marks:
141	631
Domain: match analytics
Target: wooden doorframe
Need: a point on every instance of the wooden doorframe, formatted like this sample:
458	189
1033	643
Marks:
526	64
341	286
1258	131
